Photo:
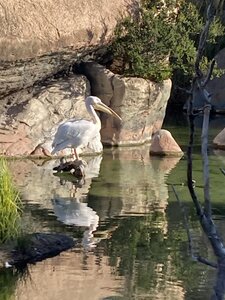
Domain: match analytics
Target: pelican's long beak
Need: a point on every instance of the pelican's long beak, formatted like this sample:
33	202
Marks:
106	109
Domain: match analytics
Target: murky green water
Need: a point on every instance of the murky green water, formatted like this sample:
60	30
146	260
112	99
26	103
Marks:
131	238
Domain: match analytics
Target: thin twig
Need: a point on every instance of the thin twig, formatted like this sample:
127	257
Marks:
206	262
209	74
185	221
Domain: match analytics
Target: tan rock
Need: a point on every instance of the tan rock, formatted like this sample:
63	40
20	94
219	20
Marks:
28	126
142	106
164	144
219	140
34	122
41	26
38	38
15	142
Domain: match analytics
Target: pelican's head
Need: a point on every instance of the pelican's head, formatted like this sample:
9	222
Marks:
99	105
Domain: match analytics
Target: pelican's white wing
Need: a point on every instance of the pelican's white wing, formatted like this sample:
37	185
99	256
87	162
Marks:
74	133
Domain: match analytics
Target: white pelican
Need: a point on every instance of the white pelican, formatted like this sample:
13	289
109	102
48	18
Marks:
81	133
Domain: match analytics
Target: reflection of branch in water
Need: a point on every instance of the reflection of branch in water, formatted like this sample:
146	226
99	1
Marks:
223	171
190	241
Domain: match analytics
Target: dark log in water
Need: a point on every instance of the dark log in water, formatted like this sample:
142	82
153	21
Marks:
75	167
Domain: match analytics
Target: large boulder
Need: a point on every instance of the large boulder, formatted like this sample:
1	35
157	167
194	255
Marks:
141	104
38	38
163	144
142	107
28	126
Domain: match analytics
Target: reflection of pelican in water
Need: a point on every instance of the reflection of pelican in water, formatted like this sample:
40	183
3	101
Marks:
76	134
73	212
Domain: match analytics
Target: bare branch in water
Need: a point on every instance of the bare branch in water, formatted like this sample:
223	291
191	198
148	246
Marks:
201	98
205	130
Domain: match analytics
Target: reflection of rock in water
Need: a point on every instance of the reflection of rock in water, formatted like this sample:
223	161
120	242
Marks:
221	155
139	181
37	183
66	277
164	164
134	184
131	182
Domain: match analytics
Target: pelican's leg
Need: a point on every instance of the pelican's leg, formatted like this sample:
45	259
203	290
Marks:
75	154
72	153
73	191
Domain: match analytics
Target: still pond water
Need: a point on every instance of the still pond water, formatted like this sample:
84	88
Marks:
131	241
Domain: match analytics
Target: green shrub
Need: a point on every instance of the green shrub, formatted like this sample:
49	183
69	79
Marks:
161	41
10	204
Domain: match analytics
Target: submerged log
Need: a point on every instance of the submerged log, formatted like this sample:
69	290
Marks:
39	246
75	167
